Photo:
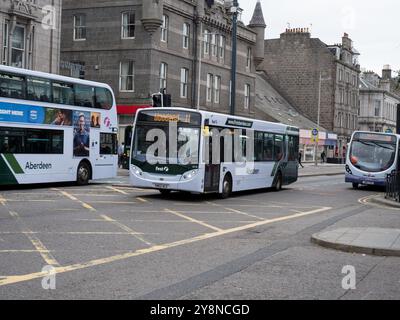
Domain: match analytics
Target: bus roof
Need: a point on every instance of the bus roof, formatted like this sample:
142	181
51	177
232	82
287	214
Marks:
209	113
52	76
378	133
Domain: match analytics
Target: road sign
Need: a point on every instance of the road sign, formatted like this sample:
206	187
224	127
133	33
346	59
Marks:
314	136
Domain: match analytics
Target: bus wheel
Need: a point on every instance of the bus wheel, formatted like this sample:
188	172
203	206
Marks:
355	185
83	174
278	184
165	192
226	187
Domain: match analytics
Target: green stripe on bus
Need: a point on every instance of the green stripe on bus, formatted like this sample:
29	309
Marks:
13	163
6	176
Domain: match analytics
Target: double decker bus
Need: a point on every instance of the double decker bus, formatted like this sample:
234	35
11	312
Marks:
371	157
55	129
177	149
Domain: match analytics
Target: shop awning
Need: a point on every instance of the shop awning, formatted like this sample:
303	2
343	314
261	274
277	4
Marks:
123	109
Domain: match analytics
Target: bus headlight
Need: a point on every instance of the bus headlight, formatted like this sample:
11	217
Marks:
190	174
137	171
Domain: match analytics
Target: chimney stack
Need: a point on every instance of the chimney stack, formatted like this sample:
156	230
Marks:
387	72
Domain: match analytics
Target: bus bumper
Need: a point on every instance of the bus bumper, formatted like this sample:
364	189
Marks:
177	183
365	180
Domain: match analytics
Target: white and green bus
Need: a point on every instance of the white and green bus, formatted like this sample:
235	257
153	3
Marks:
55	129
177	149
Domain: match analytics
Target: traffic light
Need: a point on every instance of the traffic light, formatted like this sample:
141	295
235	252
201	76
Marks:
161	100
157	102
167	100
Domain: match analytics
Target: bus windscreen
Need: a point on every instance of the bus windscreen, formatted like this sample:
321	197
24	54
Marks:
372	152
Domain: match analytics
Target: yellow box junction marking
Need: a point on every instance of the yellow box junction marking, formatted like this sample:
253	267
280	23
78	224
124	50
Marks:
106	218
39	246
97	262
193	220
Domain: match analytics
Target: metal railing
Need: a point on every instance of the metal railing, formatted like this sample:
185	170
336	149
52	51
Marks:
393	186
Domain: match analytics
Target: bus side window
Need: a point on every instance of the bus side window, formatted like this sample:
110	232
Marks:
84	96
268	149
38	89
278	147
63	93
104	99
12	86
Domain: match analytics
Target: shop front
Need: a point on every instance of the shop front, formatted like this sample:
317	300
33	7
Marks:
327	143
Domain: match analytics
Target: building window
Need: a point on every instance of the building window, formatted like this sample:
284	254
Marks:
246	96
248	61
207	36
184	82
217	89
128	25
214	45
18	47
340	75
186	35
80	27
5	43
127	76
209	87
221	47
163	75
354	80
341	96
164	29
377	108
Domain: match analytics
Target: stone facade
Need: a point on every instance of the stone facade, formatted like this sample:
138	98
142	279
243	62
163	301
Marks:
378	101
298	64
30	34
158	40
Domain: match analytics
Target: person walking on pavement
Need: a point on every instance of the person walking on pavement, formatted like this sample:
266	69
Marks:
300	158
120	154
323	156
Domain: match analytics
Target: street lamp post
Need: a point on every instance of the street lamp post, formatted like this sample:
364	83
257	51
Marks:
319	113
318	118
234	11
200	62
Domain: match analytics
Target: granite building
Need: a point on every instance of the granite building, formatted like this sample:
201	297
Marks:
298	65
140	47
379	97
30	34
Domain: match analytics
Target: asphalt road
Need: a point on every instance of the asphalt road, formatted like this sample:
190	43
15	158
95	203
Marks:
113	242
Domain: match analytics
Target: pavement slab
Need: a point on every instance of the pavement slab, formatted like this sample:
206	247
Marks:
374	241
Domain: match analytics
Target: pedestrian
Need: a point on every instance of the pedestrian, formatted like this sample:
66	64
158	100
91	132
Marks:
120	154
323	156
300	158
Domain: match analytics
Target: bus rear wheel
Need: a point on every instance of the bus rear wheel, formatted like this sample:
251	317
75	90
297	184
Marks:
83	174
279	182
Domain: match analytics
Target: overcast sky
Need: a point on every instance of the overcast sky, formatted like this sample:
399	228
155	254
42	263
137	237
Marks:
373	25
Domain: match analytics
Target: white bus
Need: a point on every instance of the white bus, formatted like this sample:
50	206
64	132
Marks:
371	156
55	129
176	149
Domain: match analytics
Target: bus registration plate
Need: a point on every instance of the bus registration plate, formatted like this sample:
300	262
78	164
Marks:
161	186
370	183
